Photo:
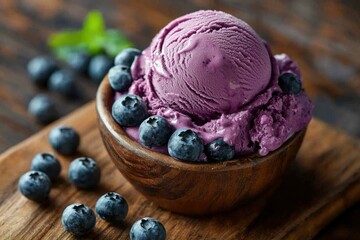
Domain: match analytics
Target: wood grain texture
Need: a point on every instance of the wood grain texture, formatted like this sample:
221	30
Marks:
322	36
190	188
322	182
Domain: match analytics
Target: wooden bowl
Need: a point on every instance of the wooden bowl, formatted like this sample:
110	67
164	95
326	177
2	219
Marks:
187	187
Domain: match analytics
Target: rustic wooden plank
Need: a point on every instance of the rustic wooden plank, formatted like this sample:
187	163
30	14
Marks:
320	184
321	35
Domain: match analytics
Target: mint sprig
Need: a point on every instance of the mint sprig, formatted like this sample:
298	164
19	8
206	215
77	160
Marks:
93	37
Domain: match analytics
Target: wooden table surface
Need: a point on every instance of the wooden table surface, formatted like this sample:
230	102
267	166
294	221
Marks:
322	36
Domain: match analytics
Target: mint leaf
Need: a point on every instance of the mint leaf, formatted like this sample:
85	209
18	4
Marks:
95	44
93	38
93	23
65	38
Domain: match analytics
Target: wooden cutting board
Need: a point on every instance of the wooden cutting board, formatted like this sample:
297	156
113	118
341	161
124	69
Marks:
322	182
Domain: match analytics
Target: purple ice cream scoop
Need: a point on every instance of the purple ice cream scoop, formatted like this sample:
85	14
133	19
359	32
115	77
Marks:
210	72
207	63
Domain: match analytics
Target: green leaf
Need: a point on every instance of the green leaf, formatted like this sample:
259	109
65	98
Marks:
94	23
65	38
93	37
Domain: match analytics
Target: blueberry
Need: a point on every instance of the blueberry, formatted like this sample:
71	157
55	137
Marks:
129	110
185	145
126	57
120	78
46	163
112	207
84	173
79	61
290	83
155	131
147	229
43	108
35	185
65	140
63	82
40	69
99	66
218	150
78	219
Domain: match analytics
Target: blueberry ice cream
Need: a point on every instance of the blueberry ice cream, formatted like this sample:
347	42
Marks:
211	73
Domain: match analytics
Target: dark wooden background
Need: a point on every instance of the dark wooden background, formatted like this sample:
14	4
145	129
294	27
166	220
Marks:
322	36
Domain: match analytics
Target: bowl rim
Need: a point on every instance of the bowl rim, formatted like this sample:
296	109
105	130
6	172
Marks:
103	108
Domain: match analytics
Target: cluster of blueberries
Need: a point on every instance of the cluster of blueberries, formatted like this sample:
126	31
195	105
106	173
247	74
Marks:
45	73
84	173
129	110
